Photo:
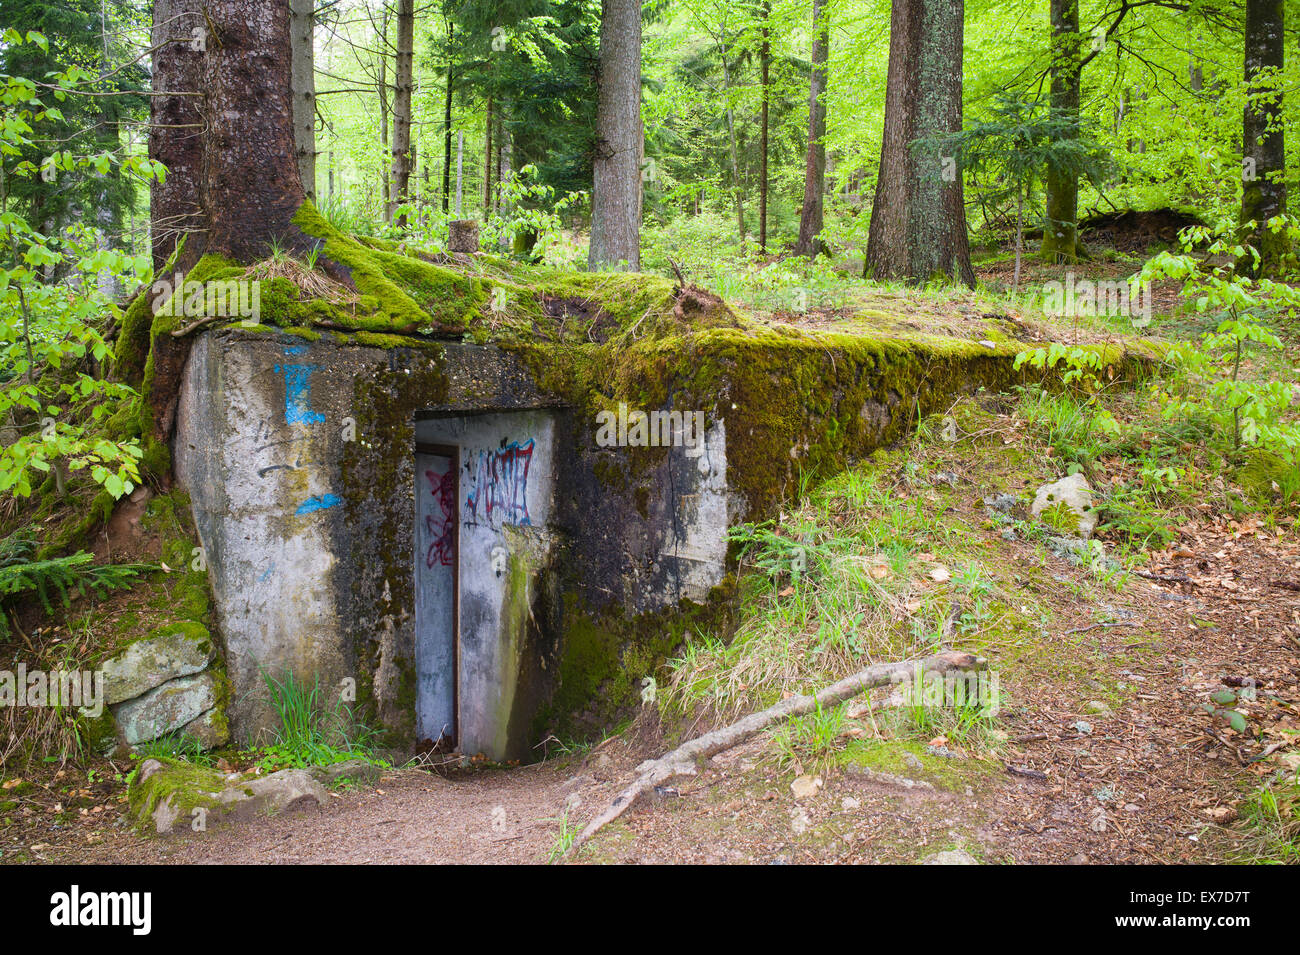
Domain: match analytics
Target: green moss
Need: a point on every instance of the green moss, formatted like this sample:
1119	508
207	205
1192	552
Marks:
183	785
604	657
98	734
183	592
902	758
401	293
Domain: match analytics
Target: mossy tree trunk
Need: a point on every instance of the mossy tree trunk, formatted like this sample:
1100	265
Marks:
616	168
240	167
1263	140
814	179
1061	227
918	216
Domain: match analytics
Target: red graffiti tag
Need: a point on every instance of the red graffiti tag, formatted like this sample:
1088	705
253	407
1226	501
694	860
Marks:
441	486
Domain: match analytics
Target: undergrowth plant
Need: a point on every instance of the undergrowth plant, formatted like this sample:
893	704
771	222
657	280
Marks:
55	399
1247	411
57	578
312	731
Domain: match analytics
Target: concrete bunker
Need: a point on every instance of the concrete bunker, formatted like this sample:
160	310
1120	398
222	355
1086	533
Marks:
531	592
429	528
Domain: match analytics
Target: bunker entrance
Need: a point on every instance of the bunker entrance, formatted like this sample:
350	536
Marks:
483	494
436	494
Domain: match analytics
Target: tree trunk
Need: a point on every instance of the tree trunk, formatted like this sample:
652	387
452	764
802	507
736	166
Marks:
304	91
504	170
918	219
487	163
735	154
765	69
1263	140
386	187
404	82
175	130
1061	228
446	127
814	182
616	167
251	187
246	170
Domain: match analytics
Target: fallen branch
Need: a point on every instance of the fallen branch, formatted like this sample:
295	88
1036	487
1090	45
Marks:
682	760
195	326
1166	578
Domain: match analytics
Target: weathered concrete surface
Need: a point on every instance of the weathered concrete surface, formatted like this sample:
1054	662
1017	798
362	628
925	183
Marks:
299	461
257	445
299	458
507	535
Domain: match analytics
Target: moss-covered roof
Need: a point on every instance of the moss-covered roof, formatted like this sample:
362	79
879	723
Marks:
592	338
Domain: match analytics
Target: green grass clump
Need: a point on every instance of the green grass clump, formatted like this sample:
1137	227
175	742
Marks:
311	732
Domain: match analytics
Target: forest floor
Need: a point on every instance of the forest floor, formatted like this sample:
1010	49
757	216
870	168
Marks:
1149	779
1103	750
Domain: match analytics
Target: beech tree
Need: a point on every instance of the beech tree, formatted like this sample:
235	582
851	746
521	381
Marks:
616	165
404	84
918	218
302	35
814	182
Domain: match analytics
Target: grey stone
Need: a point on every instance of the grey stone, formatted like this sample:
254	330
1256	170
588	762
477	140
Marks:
278	792
166	708
1001	503
167	653
1075	493
209	729
179	785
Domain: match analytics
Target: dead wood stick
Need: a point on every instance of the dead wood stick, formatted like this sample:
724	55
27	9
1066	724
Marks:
196	325
682	760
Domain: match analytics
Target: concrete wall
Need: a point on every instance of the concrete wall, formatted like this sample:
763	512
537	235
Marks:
299	461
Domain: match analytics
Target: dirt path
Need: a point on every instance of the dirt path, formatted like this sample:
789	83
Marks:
409	816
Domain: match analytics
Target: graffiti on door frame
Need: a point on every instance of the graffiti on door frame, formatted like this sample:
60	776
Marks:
499	485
